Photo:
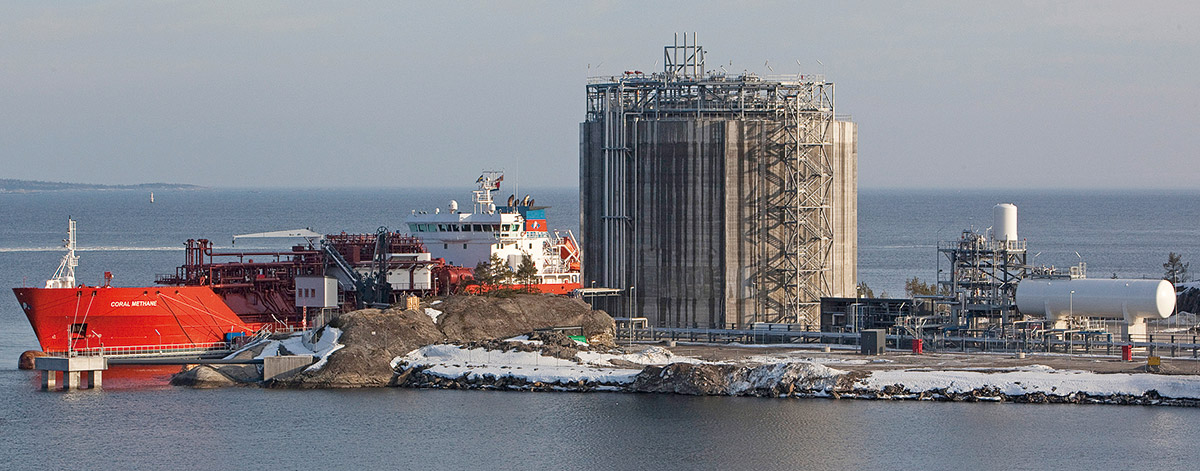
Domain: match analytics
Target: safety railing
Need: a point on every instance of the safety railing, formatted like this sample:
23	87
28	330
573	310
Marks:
1163	345
203	348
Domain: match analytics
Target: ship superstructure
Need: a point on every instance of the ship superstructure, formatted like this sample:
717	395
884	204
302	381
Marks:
511	232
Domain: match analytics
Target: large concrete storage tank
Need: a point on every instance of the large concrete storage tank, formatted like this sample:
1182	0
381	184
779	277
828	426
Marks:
720	200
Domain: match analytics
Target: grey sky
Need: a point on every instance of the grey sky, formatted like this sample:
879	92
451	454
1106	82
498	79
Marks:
1070	94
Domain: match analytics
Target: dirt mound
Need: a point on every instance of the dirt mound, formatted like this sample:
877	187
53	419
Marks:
469	318
372	338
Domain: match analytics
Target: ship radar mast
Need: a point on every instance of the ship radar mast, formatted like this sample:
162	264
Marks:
488	182
64	277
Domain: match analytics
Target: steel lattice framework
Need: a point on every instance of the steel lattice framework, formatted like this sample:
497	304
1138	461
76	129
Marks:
796	223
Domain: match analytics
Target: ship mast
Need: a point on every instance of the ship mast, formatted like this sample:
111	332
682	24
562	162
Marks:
488	182
64	277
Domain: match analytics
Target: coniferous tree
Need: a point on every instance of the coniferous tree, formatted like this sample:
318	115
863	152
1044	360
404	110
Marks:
1175	270
527	272
483	276
916	287
501	273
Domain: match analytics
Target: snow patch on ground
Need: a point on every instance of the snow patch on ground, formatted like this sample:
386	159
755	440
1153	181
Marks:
433	313
1034	379
272	349
299	344
653	355
325	346
804	357
524	339
453	361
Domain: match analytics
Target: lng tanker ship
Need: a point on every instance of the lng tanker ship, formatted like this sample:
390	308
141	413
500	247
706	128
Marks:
215	299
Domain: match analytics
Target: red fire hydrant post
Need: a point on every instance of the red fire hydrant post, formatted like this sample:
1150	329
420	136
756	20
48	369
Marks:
1127	352
918	346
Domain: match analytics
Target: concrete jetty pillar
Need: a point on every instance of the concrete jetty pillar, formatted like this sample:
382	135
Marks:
70	380
91	380
72	369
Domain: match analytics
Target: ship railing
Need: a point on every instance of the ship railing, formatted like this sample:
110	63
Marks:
202	348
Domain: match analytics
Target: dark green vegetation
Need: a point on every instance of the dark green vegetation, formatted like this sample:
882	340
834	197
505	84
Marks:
495	278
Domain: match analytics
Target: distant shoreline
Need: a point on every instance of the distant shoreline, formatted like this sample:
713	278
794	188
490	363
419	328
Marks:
34	186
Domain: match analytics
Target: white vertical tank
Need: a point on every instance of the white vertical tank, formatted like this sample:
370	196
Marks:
1004	222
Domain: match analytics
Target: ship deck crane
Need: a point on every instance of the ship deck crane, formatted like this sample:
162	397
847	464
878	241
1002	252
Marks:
372	289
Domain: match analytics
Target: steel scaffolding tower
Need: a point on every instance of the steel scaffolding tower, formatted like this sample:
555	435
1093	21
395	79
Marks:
983	277
796	228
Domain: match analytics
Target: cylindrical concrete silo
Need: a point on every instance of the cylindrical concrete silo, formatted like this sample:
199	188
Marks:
721	200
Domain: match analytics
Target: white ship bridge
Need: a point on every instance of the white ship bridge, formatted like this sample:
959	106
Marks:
511	232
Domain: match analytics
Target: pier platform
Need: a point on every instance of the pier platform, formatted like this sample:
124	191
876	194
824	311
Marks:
89	369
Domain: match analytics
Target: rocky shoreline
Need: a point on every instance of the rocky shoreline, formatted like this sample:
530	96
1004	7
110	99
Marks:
779	380
508	344
417	379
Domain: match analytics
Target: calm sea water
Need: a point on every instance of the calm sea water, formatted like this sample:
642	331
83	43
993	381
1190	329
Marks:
137	422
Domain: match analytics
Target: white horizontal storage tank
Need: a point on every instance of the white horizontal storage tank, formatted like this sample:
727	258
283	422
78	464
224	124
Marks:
1004	222
1130	300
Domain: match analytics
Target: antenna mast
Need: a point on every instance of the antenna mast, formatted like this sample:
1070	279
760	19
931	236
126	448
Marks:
64	277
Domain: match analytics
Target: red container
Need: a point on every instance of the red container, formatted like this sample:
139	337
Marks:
1127	352
918	346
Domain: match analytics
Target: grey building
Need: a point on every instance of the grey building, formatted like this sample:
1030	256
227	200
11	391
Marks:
715	200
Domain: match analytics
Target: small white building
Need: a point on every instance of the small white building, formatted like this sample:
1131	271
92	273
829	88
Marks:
316	291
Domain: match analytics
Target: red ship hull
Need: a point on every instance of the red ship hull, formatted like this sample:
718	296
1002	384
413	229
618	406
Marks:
129	319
